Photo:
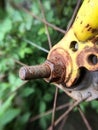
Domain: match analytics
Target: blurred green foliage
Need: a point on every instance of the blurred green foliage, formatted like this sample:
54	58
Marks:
20	101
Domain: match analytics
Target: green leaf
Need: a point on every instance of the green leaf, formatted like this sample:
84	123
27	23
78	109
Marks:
94	105
43	123
42	106
41	31
14	80
17	16
22	28
5	27
8	116
27	91
35	7
47	97
25	117
47	5
4	107
3	89
29	21
50	16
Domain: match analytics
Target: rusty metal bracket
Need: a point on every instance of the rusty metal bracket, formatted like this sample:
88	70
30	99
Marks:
72	64
65	67
75	55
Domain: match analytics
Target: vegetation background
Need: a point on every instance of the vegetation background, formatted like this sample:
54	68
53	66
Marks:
19	32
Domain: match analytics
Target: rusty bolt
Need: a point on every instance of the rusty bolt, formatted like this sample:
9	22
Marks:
34	72
51	71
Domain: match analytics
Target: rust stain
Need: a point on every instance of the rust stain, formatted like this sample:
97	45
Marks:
89	29
94	30
81	22
87	26
95	40
79	60
82	57
88	1
75	34
77	17
59	70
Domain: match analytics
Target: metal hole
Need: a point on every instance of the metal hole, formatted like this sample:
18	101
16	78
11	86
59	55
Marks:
93	59
74	46
70	91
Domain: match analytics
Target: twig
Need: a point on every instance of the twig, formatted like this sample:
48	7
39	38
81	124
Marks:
68	111
19	62
46	27
54	108
84	119
49	112
74	14
63	123
64	120
35	45
36	17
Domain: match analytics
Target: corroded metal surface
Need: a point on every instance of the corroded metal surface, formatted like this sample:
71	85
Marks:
58	68
72	64
65	67
75	54
88	85
52	71
34	72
